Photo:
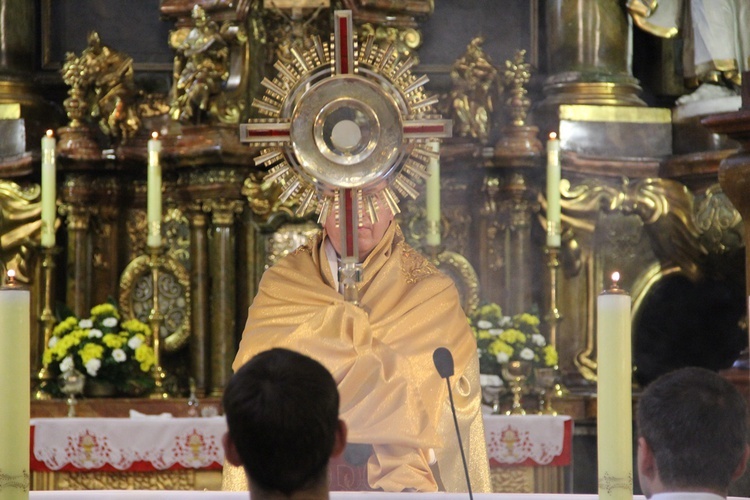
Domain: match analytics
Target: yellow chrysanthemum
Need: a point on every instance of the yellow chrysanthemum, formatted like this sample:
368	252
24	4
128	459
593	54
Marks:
65	326
47	357
550	355
489	311
482	334
104	310
80	334
91	351
499	346
527	319
136	326
513	336
145	356
113	341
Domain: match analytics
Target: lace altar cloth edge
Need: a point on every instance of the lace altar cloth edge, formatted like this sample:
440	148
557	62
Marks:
125	444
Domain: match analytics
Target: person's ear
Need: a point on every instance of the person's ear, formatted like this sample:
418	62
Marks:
743	463
230	450
646	461
339	443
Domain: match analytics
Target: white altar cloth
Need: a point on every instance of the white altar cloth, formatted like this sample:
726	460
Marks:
528	439
127	443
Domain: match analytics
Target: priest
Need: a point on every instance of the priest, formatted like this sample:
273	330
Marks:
379	350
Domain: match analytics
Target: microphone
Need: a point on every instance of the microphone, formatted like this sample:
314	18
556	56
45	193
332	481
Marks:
443	360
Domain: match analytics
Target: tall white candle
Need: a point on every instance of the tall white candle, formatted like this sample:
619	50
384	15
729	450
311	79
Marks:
432	195
15	390
553	191
49	190
614	394
154	192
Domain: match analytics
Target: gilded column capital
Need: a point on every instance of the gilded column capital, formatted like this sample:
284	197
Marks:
223	211
77	216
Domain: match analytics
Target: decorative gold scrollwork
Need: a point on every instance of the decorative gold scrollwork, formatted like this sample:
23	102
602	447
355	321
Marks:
19	225
137	295
665	206
460	270
719	222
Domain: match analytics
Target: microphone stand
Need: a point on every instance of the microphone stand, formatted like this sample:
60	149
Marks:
458	433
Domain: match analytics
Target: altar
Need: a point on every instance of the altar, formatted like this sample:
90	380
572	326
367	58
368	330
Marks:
527	454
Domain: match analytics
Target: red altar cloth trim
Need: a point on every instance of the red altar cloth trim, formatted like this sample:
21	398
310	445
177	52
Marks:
529	440
126	445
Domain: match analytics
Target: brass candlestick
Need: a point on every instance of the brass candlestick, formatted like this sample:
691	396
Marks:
553	316
46	319
155	320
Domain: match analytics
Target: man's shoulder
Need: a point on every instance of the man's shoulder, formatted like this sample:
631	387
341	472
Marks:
417	268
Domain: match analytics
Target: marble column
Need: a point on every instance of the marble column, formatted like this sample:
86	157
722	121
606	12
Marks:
78	282
589	53
199	292
223	300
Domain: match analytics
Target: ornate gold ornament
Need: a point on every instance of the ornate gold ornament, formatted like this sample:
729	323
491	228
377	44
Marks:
475	89
137	294
20	209
345	121
202	70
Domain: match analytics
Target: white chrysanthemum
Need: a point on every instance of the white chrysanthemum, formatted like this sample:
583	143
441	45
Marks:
92	366
85	323
495	331
119	355
52	342
95	333
134	342
538	339
66	364
109	322
486	380
502	357
526	354
505	322
484	324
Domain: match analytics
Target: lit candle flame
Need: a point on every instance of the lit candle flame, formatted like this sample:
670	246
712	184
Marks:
11	279
50	133
11	274
552	136
154	135
615	278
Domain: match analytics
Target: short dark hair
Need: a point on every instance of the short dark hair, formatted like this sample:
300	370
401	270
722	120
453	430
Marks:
695	423
282	412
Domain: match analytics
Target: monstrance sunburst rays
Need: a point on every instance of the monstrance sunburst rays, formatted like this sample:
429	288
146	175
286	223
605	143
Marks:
345	129
345	121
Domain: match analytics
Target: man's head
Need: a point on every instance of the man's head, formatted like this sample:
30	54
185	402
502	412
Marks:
282	412
369	233
692	433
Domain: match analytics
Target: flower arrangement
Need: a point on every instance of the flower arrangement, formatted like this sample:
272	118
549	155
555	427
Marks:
102	348
503	338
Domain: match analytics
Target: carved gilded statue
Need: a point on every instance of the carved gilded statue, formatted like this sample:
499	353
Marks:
716	42
201	68
102	89
108	77
19	226
474	91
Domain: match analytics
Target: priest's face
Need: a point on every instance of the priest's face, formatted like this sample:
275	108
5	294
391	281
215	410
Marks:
370	233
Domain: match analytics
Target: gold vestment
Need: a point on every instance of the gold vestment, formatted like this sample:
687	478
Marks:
380	354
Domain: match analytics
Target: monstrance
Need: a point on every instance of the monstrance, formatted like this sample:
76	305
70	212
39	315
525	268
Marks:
345	131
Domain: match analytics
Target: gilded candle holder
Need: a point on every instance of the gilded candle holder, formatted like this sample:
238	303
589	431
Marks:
155	320
553	316
516	372
46	318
